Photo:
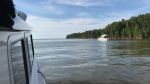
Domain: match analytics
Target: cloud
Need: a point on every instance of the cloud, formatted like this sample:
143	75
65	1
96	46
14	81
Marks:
59	28
80	21
51	8
25	6
83	14
87	2
38	8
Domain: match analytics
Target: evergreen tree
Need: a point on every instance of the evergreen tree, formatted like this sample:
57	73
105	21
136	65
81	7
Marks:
134	28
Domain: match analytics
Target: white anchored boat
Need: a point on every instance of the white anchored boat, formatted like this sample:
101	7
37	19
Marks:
103	37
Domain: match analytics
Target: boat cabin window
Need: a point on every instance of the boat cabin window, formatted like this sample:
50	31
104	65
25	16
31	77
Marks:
105	36
18	63
30	50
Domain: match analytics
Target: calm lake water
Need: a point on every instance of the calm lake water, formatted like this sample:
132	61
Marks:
88	61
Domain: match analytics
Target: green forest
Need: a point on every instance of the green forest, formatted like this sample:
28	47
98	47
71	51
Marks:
133	28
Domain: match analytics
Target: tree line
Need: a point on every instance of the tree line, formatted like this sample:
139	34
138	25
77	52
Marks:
133	28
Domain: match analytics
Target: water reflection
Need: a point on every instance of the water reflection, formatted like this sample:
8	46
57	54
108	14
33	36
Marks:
132	48
18	64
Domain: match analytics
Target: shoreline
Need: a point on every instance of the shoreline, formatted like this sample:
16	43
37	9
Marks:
113	38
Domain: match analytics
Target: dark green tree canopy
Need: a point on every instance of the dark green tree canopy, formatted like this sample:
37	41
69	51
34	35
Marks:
134	28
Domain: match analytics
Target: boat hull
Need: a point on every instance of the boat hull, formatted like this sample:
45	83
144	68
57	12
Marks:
103	39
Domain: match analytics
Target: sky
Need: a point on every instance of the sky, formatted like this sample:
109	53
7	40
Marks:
58	18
